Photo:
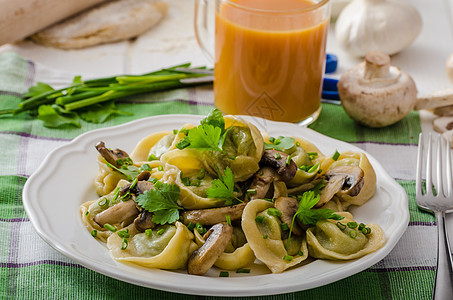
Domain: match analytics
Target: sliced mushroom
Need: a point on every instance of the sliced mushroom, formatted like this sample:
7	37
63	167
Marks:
138	189
262	182
443	124
341	180
118	213
111	156
213	216
444	111
288	207
144	221
286	168
204	257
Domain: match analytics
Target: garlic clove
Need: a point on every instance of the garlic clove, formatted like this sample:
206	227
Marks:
449	67
376	94
377	25
443	124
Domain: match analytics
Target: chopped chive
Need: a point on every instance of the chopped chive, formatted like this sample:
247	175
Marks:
224	274
259	219
133	183
120	162
109	227
268	199
104	202
366	230
191	226
149	232
272	140
265	236
361	226
228	219
160	231
153	180
160	168
201	230
123	234
352	225
201	174
152	157
300	253
305	168
312	155
277	155
336	155
116	194
251	191
195	182
87	213
312	169
288	258
288	160
128	161
284	226
124	244
297	144
94	233
243	271
353	234
274	212
341	226
126	196
233	157
175	131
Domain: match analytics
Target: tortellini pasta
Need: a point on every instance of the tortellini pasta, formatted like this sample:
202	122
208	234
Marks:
240	198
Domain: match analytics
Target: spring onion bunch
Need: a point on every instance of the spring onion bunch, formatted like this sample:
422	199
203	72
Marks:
94	100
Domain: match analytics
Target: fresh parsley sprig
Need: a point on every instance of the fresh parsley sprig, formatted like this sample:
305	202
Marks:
223	188
162	202
309	216
209	135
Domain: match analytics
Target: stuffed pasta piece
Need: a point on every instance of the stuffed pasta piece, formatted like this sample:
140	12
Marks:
343	240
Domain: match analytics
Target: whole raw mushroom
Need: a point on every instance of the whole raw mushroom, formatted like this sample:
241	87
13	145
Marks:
376	94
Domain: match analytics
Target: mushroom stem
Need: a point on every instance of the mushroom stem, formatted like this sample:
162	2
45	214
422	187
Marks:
377	65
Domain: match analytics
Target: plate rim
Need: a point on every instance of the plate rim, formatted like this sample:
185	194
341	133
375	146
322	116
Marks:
260	290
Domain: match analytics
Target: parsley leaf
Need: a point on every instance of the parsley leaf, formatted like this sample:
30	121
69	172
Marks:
310	216
54	116
215	118
38	89
280	144
209	135
129	171
162	201
223	187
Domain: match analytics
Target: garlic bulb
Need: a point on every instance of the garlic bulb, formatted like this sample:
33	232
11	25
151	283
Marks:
387	26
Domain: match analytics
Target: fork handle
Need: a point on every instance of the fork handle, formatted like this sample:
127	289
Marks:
443	286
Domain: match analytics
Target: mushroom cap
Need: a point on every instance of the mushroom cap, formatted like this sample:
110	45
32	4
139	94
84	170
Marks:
279	160
341	180
118	213
111	156
288	207
376	94
204	257
211	216
262	181
443	124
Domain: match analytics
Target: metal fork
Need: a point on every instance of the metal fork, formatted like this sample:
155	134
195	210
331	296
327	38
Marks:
437	199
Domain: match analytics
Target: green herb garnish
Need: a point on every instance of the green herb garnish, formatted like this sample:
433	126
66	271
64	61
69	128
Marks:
281	144
223	188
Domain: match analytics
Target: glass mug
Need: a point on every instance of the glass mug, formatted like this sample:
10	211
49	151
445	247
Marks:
269	56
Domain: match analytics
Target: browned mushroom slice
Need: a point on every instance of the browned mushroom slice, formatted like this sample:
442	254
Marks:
111	156
262	182
341	180
211	216
117	213
286	167
288	207
144	221
204	257
138	189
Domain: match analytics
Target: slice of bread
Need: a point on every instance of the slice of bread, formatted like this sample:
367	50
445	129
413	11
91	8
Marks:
108	22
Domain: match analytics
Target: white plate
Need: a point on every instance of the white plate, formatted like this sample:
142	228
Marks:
53	194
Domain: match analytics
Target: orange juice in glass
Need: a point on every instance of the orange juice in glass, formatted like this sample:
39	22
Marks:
270	57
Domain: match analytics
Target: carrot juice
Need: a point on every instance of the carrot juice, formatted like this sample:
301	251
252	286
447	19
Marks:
270	57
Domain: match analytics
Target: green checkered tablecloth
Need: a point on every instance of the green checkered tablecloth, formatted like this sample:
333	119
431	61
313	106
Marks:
31	269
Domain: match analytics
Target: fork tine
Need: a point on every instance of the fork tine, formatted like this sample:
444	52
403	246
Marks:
418	179
448	168
439	167
429	181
